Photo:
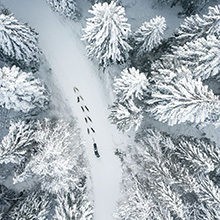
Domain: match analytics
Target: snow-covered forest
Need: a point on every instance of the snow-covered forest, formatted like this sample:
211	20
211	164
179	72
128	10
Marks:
110	109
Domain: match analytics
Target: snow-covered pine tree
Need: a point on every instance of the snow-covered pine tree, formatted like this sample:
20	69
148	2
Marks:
201	56
126	115
198	155
129	89
18	42
66	8
106	34
21	91
183	100
144	166
33	206
196	26
158	184
192	43
59	162
17	143
150	34
130	85
200	158
73	204
209	193
136	204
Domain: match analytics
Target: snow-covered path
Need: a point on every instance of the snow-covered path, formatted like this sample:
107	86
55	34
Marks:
66	55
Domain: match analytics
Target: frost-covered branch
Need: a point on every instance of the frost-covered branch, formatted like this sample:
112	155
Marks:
150	34
74	204
18	41
17	143
198	155
59	162
126	115
157	184
184	100
196	26
21	91
34	206
130	85
201	56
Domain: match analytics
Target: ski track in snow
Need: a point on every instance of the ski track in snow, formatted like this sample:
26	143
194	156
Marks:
65	53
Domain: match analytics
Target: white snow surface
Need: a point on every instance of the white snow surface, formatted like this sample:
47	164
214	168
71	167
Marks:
60	42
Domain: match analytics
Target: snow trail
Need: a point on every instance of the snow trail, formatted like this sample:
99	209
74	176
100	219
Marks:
65	53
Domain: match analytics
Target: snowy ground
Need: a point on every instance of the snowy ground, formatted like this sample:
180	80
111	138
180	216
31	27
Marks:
60	42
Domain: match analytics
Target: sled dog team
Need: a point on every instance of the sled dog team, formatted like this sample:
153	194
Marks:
87	119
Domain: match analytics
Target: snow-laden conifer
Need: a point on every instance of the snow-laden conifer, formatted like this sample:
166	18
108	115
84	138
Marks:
144	166
199	155
184	100
74	204
130	85
196	26
66	8
150	34
201	56
106	34
18	41
209	193
136	203
58	163
17	143
20	90
129	88
159	183
34	206
126	115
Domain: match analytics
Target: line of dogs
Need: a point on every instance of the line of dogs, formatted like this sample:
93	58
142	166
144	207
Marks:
87	119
